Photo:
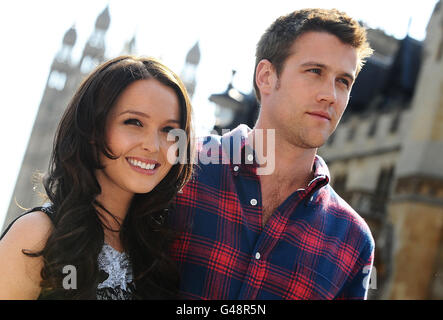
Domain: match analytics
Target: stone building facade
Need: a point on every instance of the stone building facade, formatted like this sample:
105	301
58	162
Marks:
385	160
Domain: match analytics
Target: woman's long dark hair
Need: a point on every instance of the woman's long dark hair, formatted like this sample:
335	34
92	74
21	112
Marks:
72	188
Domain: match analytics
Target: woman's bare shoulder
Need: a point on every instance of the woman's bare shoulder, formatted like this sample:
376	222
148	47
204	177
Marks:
30	229
21	273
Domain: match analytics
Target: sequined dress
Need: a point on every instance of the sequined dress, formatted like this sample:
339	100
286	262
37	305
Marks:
119	282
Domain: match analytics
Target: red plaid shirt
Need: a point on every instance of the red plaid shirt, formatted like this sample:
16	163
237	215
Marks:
314	246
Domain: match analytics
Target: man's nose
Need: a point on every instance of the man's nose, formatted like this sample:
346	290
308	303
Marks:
328	92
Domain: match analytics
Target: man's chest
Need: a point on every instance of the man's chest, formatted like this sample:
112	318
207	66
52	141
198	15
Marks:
271	200
232	256
273	194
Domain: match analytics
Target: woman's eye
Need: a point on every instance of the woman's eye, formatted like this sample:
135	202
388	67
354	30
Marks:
134	122
168	129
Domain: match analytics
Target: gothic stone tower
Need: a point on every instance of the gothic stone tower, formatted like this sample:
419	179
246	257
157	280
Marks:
189	72
64	77
416	208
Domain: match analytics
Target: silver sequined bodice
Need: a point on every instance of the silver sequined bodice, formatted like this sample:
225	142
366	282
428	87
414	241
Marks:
119	282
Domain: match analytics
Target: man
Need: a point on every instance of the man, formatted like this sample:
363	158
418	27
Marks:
284	233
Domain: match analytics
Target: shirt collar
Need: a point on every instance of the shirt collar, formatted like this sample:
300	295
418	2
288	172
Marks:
321	174
320	168
234	144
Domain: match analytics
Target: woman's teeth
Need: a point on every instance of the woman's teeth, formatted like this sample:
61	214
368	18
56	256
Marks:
142	165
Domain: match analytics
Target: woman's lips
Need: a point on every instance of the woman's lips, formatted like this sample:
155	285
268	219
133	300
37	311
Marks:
145	166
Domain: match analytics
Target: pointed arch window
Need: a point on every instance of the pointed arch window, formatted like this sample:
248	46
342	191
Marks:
88	64
351	133
373	128
64	54
395	122
97	39
383	189
57	80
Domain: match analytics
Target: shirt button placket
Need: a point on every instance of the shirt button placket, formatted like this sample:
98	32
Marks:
258	275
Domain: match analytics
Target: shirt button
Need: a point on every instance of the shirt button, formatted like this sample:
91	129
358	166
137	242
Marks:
253	202
257	256
250	157
236	168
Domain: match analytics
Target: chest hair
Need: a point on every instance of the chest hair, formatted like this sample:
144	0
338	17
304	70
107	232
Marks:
274	193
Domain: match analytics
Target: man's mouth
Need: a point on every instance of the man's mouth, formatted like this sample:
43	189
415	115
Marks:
320	114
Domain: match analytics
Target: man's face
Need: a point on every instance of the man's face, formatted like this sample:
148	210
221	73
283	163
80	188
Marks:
305	103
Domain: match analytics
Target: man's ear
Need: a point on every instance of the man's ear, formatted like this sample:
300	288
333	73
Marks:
265	77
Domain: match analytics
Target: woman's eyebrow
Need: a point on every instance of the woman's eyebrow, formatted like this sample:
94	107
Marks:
142	114
173	120
139	113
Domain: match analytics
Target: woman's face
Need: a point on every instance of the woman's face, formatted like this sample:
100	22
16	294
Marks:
136	132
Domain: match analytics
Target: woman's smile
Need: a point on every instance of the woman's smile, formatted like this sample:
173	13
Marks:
137	131
144	166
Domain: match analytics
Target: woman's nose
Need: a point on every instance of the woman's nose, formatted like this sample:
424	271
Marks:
151	142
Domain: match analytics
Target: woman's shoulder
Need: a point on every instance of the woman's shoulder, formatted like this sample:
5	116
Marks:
32	226
29	232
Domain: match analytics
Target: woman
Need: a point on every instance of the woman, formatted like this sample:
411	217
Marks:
109	185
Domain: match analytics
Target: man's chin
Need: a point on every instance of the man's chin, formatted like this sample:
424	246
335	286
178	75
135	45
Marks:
313	142
306	139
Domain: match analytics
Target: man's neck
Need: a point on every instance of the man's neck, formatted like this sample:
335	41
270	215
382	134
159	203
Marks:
293	165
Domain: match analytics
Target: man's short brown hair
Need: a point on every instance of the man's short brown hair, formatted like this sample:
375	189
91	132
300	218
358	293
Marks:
276	42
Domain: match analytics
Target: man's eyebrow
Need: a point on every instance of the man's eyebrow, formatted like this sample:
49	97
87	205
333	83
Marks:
314	64
323	66
142	114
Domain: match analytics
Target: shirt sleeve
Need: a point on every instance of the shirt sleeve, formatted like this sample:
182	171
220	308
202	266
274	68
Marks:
356	288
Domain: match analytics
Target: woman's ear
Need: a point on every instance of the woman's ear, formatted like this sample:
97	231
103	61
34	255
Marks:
265	77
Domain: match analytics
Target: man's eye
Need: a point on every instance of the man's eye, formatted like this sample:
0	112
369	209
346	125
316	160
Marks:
345	82
317	71
134	122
